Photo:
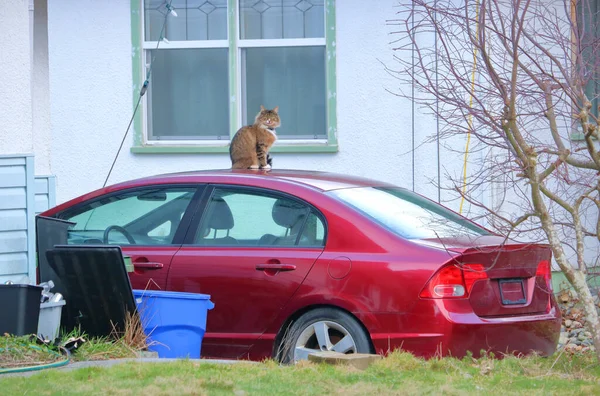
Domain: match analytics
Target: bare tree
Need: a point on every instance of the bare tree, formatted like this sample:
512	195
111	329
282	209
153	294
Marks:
514	76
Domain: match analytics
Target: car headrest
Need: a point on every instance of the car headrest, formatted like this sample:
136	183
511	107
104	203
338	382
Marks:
288	213
221	217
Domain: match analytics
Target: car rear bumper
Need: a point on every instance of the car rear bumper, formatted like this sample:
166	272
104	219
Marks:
450	328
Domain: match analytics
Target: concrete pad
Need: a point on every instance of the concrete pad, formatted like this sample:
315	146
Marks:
112	362
358	360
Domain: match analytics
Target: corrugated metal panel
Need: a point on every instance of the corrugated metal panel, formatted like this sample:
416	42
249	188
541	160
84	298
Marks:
17	216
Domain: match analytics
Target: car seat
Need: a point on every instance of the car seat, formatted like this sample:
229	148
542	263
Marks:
288	214
219	218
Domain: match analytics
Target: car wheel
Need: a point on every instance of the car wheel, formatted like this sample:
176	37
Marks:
323	329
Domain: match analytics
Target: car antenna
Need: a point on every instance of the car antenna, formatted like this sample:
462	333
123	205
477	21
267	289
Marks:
170	11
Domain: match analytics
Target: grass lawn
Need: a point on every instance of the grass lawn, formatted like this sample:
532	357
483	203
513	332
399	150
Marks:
400	373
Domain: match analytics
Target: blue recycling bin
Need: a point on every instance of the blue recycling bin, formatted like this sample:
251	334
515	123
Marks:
174	322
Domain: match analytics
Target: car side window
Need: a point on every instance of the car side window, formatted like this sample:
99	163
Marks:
247	218
143	217
314	231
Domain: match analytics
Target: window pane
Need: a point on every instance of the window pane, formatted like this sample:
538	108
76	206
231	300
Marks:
407	214
150	216
248	219
189	94
278	19
292	78
589	28
314	232
196	20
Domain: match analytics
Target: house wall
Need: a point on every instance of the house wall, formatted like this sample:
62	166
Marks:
91	104
380	135
15	84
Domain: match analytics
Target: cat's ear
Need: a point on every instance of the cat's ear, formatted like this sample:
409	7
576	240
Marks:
276	109
262	108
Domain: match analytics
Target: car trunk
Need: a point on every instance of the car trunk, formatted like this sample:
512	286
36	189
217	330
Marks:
503	277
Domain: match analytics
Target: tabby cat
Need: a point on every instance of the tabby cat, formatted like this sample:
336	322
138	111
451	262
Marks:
250	146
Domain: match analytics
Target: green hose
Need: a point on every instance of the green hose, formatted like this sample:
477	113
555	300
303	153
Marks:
39	367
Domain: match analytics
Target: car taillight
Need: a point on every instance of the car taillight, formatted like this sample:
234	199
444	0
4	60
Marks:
453	281
544	271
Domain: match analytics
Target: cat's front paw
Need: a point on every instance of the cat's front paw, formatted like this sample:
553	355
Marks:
266	167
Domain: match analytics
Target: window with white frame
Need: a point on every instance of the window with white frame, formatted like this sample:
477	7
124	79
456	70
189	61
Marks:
219	60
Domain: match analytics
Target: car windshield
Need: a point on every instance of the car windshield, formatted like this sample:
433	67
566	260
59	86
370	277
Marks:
407	214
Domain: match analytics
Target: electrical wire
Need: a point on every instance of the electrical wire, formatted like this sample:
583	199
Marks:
470	116
170	11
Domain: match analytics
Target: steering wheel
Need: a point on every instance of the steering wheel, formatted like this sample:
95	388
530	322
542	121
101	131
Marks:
122	230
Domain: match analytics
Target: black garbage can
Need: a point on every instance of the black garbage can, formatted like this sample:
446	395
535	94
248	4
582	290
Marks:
20	311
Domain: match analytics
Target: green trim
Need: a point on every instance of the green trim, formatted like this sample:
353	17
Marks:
304	148
577	136
330	69
331	88
233	57
309	148
136	68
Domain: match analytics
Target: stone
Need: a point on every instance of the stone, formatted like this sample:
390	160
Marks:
576	313
577	324
581	336
568	323
563	339
564	297
147	354
588	334
358	360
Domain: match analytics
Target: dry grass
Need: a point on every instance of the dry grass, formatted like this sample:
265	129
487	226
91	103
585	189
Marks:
133	336
125	344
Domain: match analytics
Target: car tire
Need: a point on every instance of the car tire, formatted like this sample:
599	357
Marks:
322	329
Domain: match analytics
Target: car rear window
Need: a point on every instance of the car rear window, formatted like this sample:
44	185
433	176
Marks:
407	214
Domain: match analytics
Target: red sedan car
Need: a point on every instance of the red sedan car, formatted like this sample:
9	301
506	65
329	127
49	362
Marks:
299	261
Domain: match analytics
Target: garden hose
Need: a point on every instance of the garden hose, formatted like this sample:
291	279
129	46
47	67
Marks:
41	366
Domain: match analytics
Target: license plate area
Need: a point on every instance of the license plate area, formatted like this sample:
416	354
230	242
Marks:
512	291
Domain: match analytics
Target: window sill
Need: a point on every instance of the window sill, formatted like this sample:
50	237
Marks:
296	148
579	137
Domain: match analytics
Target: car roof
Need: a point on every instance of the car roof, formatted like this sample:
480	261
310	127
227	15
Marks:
323	181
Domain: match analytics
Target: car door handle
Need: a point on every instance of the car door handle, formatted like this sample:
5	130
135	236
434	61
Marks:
275	267
148	265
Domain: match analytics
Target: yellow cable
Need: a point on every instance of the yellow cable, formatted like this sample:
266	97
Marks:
470	117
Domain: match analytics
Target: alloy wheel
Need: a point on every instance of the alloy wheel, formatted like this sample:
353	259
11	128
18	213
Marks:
323	336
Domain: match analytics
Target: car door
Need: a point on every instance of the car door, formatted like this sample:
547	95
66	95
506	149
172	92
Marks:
250	250
148	223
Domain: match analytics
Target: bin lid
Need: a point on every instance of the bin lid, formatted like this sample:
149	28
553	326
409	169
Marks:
170	294
52	304
96	285
19	286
